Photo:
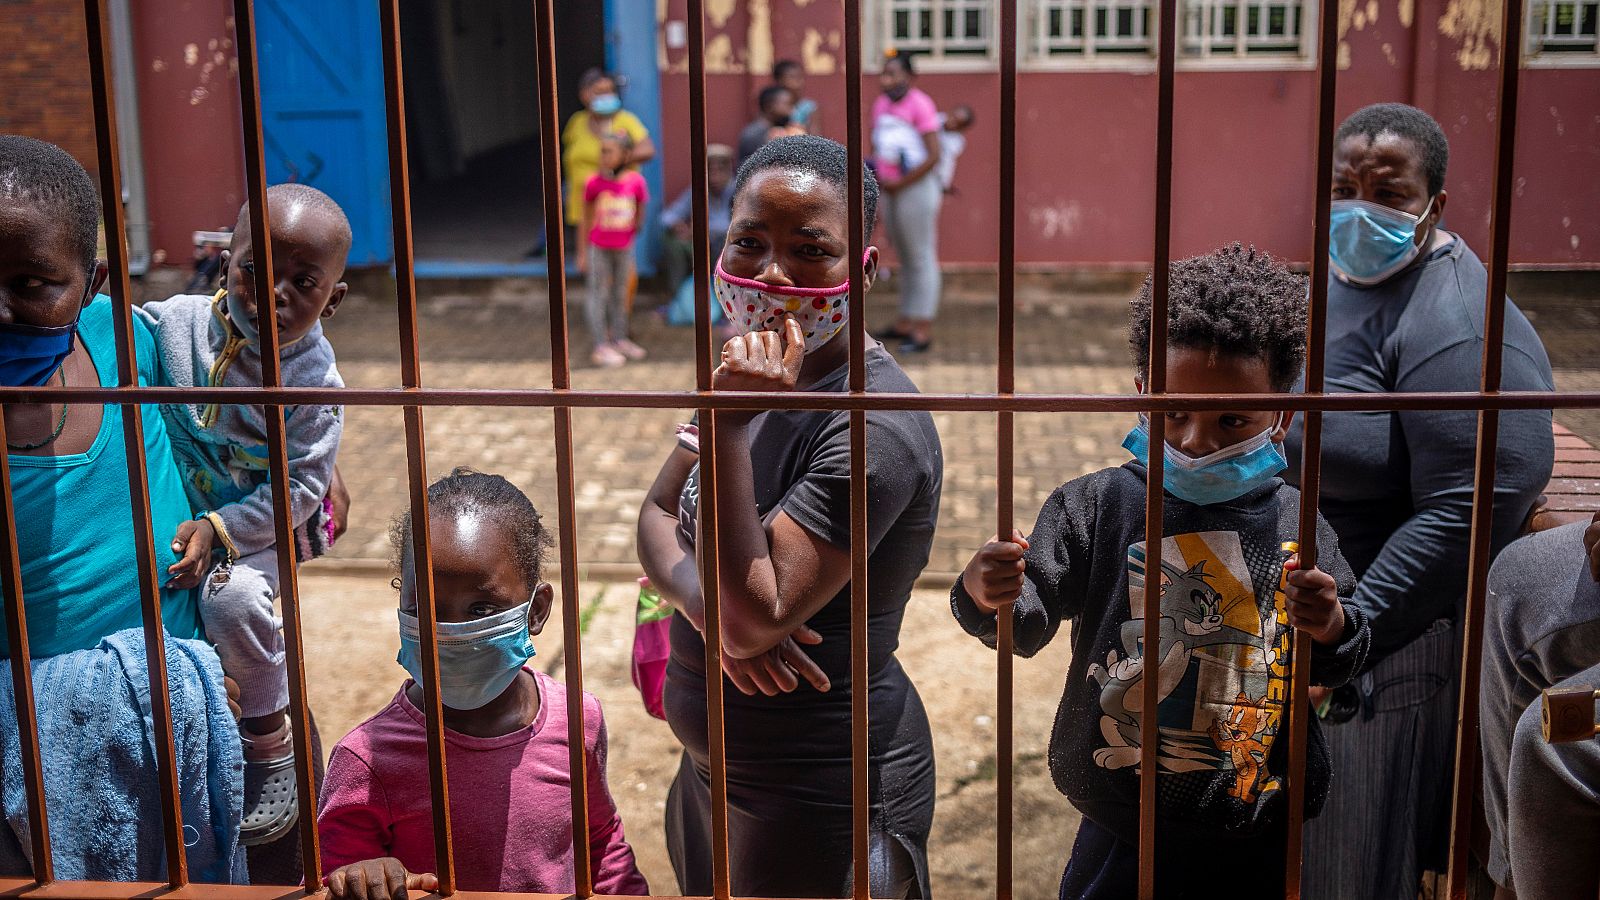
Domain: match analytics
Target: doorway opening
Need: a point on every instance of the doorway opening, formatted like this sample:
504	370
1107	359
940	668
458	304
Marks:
472	124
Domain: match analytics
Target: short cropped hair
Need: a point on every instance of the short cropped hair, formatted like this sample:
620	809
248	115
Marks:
293	193
1407	122
466	491
819	156
783	67
1236	301
34	171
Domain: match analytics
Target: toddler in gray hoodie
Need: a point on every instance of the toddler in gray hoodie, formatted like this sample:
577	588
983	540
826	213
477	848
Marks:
221	452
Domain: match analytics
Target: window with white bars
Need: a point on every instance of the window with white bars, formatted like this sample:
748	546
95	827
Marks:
1241	28
1563	31
1065	31
1085	28
938	29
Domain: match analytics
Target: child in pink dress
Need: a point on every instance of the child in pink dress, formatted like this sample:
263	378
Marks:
505	726
613	205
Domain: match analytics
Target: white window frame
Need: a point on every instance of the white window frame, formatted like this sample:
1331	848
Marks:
939	52
1039	51
1542	31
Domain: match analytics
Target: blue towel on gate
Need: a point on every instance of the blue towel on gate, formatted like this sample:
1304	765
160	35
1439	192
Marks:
97	744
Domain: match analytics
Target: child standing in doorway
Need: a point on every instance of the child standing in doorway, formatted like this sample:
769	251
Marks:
613	203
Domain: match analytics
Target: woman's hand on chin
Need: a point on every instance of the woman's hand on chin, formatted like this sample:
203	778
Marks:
762	360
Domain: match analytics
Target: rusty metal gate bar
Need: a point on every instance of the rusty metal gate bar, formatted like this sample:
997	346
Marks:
416	446
856	243
1299	709
707	545
98	25
277	445
1156	385
561	379
1005	515
1488	401
1494	317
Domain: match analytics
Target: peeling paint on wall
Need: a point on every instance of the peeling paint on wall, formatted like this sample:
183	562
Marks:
813	57
759	43
720	11
1476	24
1056	221
720	59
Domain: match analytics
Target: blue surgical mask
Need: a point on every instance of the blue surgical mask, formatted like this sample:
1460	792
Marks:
30	355
1227	474
478	660
605	105
1368	242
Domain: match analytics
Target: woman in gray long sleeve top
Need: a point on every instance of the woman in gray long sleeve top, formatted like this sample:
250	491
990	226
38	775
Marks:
1406	313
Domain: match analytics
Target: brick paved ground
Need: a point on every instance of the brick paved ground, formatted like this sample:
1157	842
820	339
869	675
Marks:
503	342
1070	343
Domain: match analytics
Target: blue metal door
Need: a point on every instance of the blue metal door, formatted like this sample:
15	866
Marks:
323	110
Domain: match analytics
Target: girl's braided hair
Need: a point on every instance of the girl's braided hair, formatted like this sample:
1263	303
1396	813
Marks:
466	490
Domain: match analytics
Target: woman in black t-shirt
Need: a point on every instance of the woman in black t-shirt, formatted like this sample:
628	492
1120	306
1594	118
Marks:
784	503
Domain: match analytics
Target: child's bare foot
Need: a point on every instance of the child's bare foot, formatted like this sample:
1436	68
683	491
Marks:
631	350
607	356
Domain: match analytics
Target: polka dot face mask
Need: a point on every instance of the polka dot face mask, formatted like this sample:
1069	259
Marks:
757	306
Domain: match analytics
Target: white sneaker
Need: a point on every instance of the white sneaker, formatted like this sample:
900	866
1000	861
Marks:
629	349
606	356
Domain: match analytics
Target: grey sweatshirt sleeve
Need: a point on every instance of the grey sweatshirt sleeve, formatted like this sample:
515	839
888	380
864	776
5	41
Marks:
1055	581
313	434
1555	809
1542	624
1421	573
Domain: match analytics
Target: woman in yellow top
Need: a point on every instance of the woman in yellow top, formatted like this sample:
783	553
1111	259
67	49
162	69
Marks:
580	141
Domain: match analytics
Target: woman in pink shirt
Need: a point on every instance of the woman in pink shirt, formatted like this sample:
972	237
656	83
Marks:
906	150
505	726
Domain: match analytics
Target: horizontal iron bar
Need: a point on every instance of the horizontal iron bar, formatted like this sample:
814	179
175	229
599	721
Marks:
146	890
583	399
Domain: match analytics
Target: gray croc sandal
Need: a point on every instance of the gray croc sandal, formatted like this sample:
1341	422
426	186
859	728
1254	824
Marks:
271	801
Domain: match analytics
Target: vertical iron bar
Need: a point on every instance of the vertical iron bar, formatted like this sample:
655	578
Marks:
277	439
98	22
1299	706
1494	317
561	378
706	541
860	793
1006	382
416	447
1149	733
22	676
428	642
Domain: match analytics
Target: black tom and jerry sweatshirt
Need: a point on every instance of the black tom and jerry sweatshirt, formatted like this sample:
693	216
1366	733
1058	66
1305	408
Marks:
1224	654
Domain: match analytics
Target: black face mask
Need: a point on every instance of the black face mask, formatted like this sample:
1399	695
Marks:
780	121
896	93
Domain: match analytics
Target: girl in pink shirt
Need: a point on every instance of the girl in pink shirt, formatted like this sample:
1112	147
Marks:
505	726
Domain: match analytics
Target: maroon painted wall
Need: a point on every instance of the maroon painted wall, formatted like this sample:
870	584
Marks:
189	109
1243	144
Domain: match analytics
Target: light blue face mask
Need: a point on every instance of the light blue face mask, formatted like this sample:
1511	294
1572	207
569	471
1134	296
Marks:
605	105
478	660
1368	242
1227	474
